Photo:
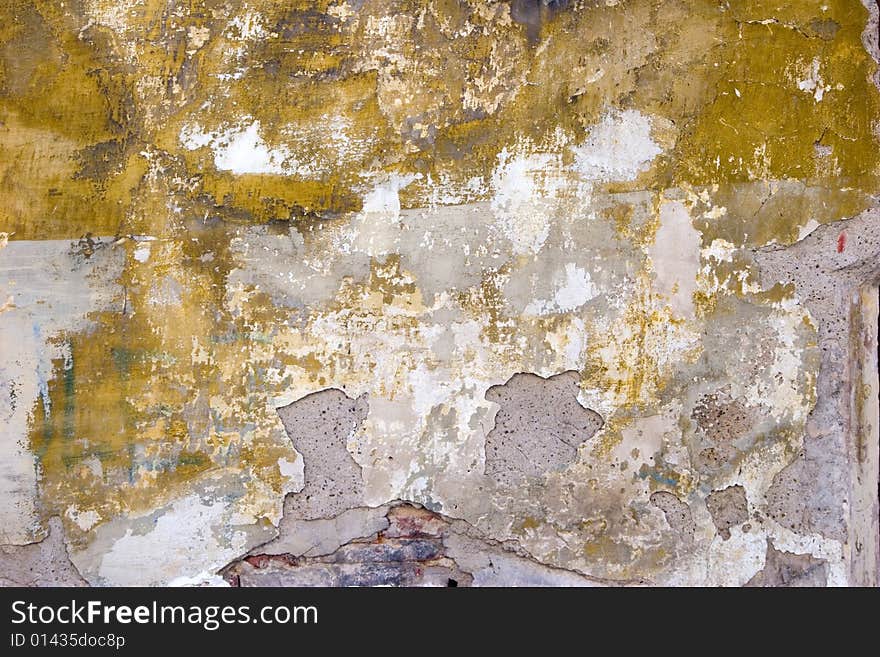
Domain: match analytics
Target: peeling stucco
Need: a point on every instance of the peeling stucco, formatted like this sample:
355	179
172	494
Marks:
404	292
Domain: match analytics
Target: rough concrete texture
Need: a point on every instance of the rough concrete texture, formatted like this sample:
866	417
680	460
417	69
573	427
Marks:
44	563
787	569
407	292
678	514
837	269
538	427
728	507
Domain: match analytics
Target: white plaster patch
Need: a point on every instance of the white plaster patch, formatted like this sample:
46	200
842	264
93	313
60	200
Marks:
745	550
444	191
142	252
85	520
522	186
292	470
817	546
342	11
780	388
196	38
720	250
675	255
618	148
246	27
807	228
202	579
180	545
241	150
812	82
375	229
642	439
111	14
573	291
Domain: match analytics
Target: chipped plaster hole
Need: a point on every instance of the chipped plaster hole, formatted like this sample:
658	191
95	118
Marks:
320	425
538	427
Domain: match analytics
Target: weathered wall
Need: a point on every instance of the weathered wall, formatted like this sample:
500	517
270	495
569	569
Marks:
461	292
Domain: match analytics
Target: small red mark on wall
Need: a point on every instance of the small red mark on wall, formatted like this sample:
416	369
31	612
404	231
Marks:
841	241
